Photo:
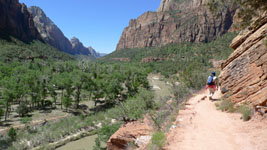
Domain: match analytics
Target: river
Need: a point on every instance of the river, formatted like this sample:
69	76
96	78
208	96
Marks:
86	143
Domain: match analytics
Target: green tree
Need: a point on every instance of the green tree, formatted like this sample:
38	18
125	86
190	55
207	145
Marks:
8	95
1	112
66	100
79	79
22	109
12	134
52	91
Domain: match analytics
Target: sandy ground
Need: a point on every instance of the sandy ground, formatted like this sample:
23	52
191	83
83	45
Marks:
201	127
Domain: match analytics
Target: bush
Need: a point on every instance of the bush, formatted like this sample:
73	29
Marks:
245	111
226	105
1	112
22	109
104	134
12	134
159	139
180	91
25	120
135	107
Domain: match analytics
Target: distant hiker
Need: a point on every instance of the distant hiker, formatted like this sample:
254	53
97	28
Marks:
212	84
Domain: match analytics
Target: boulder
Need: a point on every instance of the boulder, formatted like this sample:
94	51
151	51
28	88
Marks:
130	132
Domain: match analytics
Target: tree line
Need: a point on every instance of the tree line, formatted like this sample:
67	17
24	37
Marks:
39	84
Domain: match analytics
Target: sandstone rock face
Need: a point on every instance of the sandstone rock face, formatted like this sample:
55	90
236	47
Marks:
176	21
49	31
16	21
130	133
244	74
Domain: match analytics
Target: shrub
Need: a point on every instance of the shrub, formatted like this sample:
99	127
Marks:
12	134
104	134
226	105
25	120
23	109
245	111
159	139
180	91
134	107
1	112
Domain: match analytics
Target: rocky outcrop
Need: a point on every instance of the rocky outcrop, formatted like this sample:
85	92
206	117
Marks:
16	21
244	75
131	132
176	21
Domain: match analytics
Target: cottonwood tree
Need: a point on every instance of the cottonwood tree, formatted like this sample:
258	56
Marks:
8	95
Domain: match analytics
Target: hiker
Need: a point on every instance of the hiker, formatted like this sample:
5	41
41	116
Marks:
212	84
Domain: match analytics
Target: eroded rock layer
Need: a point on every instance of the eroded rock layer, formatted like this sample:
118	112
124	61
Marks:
244	74
129	133
176	21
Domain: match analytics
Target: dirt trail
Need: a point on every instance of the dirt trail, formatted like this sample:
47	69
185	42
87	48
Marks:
201	127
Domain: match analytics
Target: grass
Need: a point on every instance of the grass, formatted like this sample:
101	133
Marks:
246	112
158	141
25	120
228	106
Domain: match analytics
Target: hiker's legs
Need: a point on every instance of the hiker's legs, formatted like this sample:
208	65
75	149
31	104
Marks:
211	93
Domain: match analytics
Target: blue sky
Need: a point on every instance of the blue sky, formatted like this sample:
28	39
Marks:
97	23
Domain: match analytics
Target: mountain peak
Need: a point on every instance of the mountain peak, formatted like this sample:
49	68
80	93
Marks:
74	40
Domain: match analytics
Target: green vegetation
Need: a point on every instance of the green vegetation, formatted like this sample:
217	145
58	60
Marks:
12	134
47	81
42	85
158	141
104	134
16	50
26	120
190	61
246	112
227	105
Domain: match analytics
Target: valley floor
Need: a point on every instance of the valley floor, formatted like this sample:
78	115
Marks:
201	127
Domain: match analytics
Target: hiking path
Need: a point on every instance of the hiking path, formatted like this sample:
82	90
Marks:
200	126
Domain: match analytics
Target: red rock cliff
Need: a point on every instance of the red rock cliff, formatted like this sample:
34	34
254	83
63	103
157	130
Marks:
176	21
244	74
